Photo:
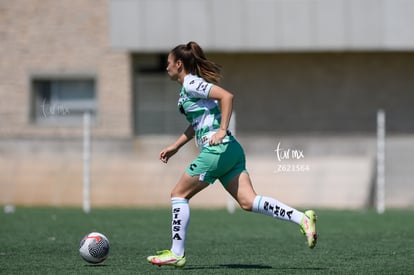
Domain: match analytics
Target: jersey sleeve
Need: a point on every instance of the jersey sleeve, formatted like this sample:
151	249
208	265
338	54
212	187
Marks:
198	88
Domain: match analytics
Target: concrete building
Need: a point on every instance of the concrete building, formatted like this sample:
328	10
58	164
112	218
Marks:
309	76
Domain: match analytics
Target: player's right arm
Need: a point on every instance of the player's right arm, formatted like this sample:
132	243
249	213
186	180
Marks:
169	151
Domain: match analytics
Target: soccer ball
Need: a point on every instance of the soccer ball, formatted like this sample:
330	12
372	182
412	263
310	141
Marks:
94	248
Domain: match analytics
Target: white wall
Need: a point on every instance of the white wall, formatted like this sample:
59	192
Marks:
263	25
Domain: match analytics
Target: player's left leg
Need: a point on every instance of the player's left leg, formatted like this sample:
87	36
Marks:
185	189
241	188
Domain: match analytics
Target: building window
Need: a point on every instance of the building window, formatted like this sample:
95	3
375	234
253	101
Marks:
155	98
156	106
62	101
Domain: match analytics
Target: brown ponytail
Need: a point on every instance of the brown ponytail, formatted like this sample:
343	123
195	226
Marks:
195	62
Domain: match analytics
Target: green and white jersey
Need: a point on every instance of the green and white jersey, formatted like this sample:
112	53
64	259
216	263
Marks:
201	112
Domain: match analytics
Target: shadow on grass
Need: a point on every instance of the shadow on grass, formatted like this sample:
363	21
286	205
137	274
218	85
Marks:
249	266
245	266
96	265
227	266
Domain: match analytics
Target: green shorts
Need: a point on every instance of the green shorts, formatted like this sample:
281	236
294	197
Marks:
223	162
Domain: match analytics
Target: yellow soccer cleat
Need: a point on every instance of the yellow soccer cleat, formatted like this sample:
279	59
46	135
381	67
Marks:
166	257
308	227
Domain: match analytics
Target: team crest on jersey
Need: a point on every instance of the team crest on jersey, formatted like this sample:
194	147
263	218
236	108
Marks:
204	139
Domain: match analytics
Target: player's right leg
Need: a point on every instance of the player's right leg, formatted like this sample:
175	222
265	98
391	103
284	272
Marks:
241	188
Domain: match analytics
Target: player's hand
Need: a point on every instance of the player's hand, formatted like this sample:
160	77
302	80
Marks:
217	138
167	153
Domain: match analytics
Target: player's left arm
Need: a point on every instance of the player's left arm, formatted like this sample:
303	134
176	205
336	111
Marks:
225	99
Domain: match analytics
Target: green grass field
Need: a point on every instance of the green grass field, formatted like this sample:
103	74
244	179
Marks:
45	241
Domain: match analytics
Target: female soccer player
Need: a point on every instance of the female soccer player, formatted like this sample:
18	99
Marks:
208	108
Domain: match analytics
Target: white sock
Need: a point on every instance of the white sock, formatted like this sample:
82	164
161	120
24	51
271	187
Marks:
276	209
180	220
